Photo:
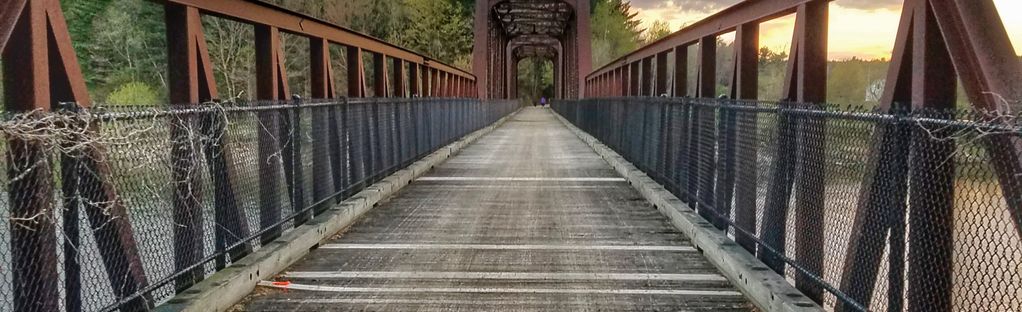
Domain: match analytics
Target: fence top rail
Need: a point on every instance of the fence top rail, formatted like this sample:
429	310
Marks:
129	112
950	119
262	13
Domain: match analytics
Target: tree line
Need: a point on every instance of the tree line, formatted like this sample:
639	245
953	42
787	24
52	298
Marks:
121	45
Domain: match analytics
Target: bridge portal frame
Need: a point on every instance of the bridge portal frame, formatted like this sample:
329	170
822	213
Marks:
492	54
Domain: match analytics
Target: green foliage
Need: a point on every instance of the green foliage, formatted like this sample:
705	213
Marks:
441	29
849	81
657	31
119	41
80	15
380	19
232	52
438	28
772	66
535	79
615	31
133	93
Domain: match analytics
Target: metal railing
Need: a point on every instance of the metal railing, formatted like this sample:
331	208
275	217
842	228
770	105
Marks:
861	210
142	202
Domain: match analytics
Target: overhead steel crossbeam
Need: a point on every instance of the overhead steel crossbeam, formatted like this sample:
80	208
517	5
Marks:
525	17
535	46
541	51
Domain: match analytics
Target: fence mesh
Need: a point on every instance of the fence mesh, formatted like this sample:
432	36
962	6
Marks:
121	208
859	209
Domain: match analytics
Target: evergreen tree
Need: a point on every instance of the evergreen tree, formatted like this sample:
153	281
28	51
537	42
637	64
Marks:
441	29
615	31
657	31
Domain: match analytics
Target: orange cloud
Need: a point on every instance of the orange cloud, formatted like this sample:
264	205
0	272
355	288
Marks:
858	28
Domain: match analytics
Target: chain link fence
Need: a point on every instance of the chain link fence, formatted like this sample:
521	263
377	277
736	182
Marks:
859	209
121	208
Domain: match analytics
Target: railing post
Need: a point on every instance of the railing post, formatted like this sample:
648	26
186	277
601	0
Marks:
775	208
726	159
746	87
297	176
704	117
70	178
185	88
325	161
230	217
272	88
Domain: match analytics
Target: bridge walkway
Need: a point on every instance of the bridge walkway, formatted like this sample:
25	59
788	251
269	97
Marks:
527	218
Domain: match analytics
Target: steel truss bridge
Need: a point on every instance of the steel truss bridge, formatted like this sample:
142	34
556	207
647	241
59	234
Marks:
428	187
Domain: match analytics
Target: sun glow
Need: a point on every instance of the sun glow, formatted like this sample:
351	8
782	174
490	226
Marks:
854	32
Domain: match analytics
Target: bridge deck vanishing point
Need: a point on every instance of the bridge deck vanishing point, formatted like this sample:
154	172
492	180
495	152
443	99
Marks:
527	218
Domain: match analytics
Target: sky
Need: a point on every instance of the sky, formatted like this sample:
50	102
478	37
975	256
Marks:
858	28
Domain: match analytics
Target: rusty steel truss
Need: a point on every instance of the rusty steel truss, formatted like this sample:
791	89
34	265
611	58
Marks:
507	31
938	42
41	70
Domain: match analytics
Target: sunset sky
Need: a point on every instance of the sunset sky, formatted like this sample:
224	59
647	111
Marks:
862	28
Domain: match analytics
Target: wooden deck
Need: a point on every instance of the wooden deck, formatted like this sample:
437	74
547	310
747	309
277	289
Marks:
529	218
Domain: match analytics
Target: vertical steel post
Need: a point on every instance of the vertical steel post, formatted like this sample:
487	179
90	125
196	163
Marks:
185	88
33	229
324	170
661	87
646	86
271	86
746	87
810	184
703	129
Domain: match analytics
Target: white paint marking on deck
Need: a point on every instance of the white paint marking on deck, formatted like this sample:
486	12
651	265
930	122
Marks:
512	276
509	247
522	179
494	290
474	302
524	187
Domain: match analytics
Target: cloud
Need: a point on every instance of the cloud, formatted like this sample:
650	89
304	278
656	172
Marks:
701	6
871	4
709	6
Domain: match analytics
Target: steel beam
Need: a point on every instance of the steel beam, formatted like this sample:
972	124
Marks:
356	72
646	71
34	263
271	86
262	13
722	22
325	174
745	86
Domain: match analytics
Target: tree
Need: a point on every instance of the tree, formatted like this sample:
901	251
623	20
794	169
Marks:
615	31
233	56
438	28
127	44
133	93
535	79
657	31
772	67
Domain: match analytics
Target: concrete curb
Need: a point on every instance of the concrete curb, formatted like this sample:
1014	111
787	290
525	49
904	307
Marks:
766	289
229	286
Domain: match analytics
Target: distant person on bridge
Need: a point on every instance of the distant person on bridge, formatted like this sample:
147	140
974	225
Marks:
542	101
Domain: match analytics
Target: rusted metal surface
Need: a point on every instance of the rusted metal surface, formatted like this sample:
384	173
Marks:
508	31
938	41
746	87
40	71
257	12
9	12
722	22
33	239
